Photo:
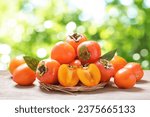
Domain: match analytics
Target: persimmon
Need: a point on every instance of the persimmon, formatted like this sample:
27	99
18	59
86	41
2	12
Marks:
88	52
67	75
75	39
106	69
90	75
14	63
23	75
47	71
125	78
137	70
75	63
118	63
63	52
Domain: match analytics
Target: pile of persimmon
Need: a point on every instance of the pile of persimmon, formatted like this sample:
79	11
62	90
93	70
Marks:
77	60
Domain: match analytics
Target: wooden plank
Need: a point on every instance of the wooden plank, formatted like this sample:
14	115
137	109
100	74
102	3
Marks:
9	90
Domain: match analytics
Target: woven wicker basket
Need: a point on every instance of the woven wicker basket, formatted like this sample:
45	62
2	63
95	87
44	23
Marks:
71	90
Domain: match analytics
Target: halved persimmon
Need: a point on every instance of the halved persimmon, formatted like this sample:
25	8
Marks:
67	76
90	75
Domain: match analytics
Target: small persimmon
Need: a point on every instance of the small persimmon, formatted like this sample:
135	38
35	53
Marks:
14	63
125	78
23	75
137	70
118	63
75	63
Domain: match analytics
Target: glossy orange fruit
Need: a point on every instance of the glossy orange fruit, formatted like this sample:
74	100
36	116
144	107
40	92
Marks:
63	52
118	63
106	69
47	71
125	78
137	70
14	63
89	52
23	75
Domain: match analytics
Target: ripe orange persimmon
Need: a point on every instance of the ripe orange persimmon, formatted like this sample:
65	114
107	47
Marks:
23	75
14	63
47	71
88	52
125	78
106	69
90	75
137	70
75	39
118	63
63	52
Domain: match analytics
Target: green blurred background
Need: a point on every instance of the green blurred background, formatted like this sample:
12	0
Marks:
32	27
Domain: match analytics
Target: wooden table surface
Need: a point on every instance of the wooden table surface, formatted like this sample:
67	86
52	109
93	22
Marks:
9	90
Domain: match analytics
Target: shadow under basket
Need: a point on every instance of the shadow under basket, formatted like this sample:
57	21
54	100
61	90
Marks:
72	90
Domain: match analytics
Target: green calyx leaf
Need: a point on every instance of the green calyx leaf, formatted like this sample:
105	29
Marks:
109	55
31	62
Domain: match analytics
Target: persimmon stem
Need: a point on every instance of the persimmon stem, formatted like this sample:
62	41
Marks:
75	37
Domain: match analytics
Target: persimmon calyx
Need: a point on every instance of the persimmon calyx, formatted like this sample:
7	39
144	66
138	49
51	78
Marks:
84	54
105	63
42	69
76	37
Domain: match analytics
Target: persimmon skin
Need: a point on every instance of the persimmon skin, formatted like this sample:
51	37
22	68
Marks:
14	63
47	71
75	39
63	52
89	52
137	70
23	75
118	63
75	63
125	78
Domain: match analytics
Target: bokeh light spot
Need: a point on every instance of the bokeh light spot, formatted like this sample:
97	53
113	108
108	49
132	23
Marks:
146	3
48	24
71	26
145	63
81	29
144	52
41	52
132	12
126	2
136	56
5	59
5	49
114	12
